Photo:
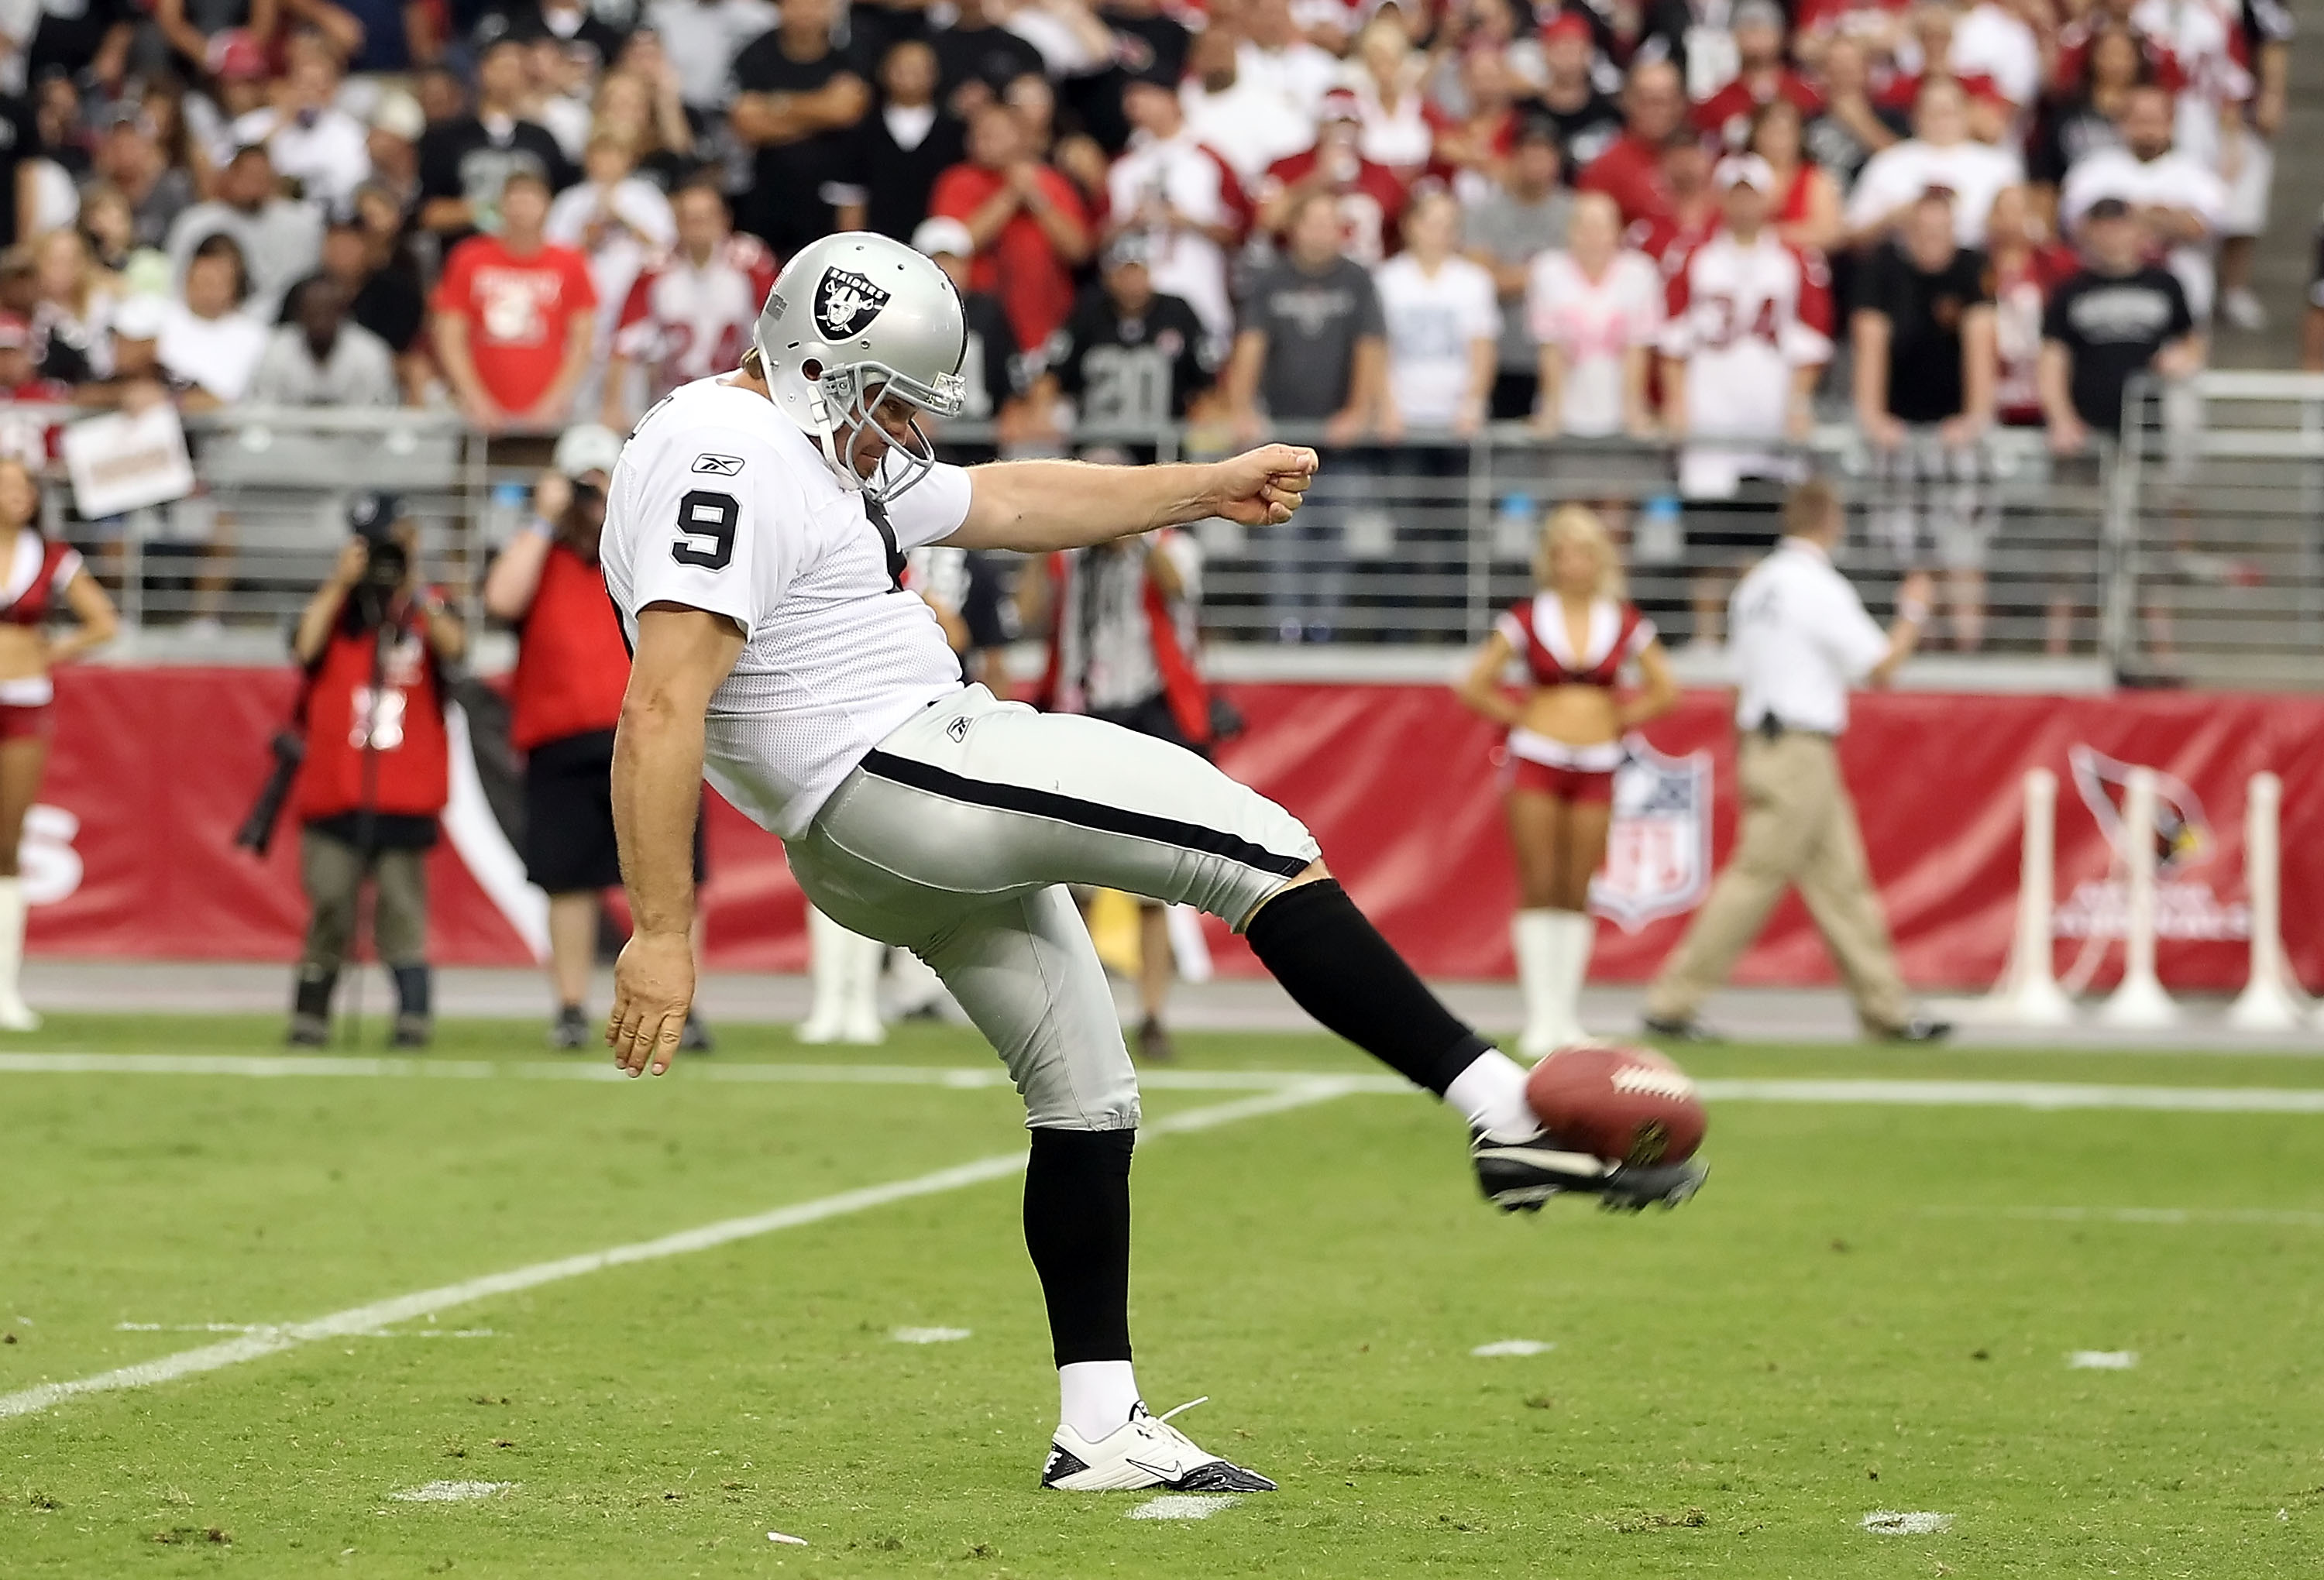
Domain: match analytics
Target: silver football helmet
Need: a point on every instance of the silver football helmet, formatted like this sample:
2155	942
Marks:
873	320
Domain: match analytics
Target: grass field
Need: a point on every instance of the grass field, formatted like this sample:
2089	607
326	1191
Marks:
1871	1308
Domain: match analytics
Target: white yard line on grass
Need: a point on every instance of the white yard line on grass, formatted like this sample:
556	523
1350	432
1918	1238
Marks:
361	1319
2042	1097
2273	1217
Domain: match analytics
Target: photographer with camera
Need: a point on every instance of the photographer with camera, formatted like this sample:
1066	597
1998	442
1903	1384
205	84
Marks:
377	767
571	669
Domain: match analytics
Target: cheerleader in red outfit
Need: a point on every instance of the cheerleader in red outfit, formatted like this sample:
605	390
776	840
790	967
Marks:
1574	637
38	581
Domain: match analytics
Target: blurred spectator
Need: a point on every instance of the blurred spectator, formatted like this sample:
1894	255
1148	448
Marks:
1595	309
1251	123
900	150
391	141
702	39
515	317
2027	265
308	137
322	357
795	100
1850	128
110	229
381	291
2247	158
209	343
2117	317
1312	349
1924	337
690	316
131	157
2071	124
661	137
1069	40
1473	146
1690	210
977	58
280	239
1939	153
563	74
374	641
1748	332
47	191
1385	77
1026	221
72	310
381	37
1131	357
1524	217
1366	196
564	24
240	80
1441	324
92	37
1588	123
1761	77
620	222
134	376
1150	40
1179	195
1275	56
1630	170
1076	154
2175	199
21	383
466	160
1807	202
990	364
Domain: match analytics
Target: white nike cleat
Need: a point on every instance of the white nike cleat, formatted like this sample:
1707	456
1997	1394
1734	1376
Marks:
1145	1451
16	1015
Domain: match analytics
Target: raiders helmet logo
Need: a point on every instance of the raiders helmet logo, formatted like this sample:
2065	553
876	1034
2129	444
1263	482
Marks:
845	303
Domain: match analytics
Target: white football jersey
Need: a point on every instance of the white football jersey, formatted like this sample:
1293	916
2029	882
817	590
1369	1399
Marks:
720	503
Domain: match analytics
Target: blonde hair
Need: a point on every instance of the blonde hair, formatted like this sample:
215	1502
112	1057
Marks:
1578	524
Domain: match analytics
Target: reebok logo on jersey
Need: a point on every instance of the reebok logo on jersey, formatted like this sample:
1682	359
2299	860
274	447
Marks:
718	465
958	730
845	303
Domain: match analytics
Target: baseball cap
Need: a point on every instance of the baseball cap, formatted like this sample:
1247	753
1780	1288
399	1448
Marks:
1566	24
370	514
1761	12
587	447
399	114
15	334
940	237
1341	103
2107	208
236	55
1742	170
1129	247
139	317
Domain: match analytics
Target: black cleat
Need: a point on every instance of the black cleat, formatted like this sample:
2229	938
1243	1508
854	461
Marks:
1146	1452
1673	1030
570	1032
1635	1187
1921	1028
1519	1176
1153	1043
696	1038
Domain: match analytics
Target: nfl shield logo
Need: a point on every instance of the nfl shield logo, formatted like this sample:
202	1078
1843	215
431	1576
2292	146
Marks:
1658	851
845	303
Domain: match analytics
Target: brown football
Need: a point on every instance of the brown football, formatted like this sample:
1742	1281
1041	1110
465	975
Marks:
1626	1105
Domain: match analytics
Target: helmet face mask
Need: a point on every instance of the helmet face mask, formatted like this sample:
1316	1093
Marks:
853	321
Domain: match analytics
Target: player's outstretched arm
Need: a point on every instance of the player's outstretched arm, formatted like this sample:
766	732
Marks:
682	656
1036	507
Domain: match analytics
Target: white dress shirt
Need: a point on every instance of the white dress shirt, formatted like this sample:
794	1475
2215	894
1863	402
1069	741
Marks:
1799	638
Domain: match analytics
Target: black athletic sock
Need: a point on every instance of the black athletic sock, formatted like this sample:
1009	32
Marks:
1336	966
1078	1228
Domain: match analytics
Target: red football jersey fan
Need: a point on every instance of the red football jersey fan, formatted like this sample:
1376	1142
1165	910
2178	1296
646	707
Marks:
1371	201
1744	317
685	321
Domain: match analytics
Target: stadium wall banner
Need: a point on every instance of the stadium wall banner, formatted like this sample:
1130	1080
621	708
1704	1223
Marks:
130	852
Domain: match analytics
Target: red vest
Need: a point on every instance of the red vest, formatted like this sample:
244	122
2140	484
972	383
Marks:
409	771
572	666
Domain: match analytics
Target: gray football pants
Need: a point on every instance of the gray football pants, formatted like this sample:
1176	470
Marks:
955	839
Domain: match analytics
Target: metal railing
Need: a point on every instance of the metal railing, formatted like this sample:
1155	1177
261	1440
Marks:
2188	552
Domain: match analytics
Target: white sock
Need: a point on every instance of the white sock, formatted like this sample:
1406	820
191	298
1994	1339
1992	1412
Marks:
1536	936
827	966
1491	1093
1579	932
1094	1397
866	956
11	937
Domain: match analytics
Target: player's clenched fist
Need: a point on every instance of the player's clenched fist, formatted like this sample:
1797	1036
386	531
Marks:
1261	487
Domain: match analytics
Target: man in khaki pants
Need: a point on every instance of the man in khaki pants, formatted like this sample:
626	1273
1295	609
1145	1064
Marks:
1800	638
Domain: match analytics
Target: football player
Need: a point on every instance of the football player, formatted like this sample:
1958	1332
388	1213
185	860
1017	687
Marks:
755	542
